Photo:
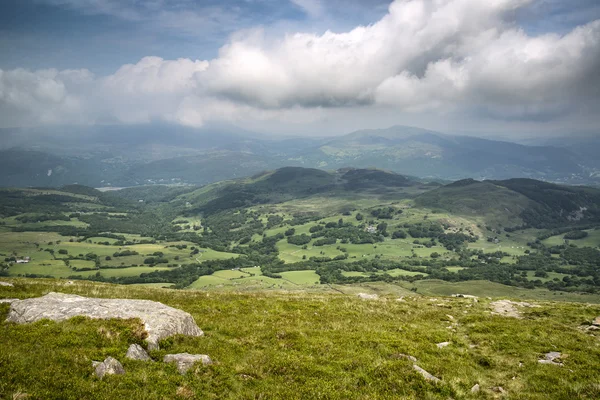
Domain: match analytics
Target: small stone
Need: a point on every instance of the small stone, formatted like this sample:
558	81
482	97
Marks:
596	321
404	356
425	374
95	363
593	328
110	366
475	388
137	352
450	317
549	358
366	296
442	345
498	389
6	284
400	299
185	361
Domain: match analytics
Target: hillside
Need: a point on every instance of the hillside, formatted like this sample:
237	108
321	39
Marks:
306	345
290	183
517	201
495	204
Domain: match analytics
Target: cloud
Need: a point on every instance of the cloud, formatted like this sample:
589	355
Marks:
441	57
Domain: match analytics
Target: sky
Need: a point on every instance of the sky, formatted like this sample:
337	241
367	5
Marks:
509	68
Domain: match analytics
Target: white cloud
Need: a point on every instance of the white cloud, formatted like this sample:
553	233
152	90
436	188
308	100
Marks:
438	56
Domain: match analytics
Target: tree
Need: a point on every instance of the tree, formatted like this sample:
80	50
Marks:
290	232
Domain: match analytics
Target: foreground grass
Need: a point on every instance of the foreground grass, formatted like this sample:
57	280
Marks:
273	345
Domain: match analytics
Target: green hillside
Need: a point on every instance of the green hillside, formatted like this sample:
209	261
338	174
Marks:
495	204
305	345
518	202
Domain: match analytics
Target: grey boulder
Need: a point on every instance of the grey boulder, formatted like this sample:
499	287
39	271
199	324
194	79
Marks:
185	361
137	352
110	366
160	321
6	284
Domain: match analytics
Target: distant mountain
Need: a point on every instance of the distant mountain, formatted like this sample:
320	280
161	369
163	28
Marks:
426	153
517	202
159	153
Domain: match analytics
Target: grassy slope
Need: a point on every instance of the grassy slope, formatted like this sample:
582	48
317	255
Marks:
498	205
299	345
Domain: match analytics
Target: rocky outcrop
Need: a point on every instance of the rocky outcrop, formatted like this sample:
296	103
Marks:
160	321
7	300
186	361
6	284
110	366
137	352
508	308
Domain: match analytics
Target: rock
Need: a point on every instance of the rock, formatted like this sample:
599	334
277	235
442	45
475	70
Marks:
498	389
508	308
185	361
404	356
450	317
110	366
550	358
465	296
401	299
366	296
442	345
7	300
6	284
425	374
596	321
95	363
160	321
475	388
137	352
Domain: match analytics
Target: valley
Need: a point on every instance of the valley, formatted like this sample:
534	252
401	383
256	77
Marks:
299	229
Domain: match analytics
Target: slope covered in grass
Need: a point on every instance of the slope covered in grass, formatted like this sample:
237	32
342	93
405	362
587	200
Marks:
300	345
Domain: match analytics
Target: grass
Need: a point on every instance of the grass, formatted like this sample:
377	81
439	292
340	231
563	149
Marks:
492	289
301	277
592	240
304	345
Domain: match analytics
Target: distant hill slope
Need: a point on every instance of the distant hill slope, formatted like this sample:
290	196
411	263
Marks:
426	153
517	201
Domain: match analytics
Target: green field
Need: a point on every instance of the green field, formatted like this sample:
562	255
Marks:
592	240
301	277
